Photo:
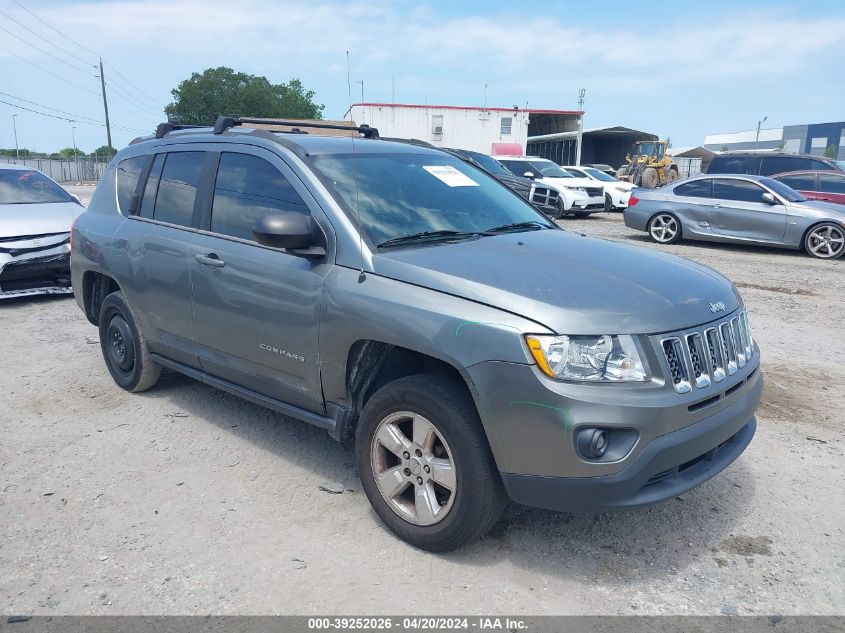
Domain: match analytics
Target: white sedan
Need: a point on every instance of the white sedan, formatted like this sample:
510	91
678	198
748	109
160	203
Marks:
616	192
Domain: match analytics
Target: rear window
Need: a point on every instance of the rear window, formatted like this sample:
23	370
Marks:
28	186
128	172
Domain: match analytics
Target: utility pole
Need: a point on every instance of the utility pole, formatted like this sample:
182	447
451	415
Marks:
15	128
75	152
105	103
581	94
757	138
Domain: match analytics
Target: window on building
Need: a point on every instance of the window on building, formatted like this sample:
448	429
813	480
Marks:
437	125
740	190
177	190
507	124
128	172
248	187
818	145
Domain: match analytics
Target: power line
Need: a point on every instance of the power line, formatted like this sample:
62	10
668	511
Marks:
48	25
53	44
131	85
53	116
132	100
38	48
41	105
41	68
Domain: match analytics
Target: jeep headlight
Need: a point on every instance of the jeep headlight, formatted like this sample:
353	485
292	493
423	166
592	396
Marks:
581	189
602	358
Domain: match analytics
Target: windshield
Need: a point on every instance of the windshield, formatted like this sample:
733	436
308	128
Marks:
840	164
27	186
648	149
599	175
784	191
490	164
405	194
549	169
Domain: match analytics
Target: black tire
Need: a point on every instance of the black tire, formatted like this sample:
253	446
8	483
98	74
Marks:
608	202
825	241
479	496
124	347
561	212
662	221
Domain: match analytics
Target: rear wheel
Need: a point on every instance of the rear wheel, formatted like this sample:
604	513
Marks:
674	175
124	347
825	241
608	202
561	211
665	228
649	178
425	465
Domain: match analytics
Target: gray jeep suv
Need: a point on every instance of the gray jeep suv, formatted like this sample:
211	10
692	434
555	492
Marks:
396	295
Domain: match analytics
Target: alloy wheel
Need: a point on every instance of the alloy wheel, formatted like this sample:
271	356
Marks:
664	228
413	468
826	242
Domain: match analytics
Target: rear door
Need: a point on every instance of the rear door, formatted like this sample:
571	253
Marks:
156	242
832	187
256	309
737	210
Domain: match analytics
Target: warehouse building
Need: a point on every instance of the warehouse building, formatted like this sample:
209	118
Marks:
606	145
819	139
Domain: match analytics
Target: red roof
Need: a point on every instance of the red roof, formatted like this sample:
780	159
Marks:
451	107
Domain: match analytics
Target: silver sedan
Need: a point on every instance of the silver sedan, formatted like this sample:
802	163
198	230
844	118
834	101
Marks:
740	209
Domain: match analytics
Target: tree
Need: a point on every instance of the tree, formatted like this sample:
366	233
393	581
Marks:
70	152
724	148
201	98
830	151
12	152
104	152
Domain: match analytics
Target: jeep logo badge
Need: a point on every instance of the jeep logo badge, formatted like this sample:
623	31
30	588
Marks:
719	306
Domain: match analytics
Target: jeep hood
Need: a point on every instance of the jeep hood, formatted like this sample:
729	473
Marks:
570	283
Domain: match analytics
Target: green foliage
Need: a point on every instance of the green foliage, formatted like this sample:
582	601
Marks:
22	152
724	148
830	151
69	152
215	91
103	152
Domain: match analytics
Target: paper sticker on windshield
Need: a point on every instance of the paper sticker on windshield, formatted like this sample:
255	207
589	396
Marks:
450	176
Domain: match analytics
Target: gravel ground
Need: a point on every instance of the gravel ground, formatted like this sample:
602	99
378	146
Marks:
185	500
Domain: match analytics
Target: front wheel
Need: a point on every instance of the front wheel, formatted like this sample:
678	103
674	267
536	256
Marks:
665	228
561	211
825	241
425	464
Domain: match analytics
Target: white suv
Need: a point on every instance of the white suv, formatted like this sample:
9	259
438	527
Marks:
579	196
616	192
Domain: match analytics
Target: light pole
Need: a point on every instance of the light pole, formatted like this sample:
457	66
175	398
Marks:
757	138
15	128
75	153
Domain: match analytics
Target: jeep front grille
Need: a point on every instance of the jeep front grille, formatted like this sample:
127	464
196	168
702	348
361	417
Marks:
700	358
544	196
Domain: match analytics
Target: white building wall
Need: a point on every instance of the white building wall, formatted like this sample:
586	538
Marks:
471	129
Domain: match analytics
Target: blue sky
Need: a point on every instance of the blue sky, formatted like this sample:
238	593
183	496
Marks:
670	68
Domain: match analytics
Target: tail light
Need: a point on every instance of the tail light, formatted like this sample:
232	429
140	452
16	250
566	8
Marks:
632	201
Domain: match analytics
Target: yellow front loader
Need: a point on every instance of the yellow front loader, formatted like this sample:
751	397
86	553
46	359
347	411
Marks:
651	165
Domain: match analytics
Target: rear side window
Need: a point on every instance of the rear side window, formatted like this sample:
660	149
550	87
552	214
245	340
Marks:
727	165
177	190
831	184
520	167
128	172
739	190
801	182
248	187
695	189
148	199
777	164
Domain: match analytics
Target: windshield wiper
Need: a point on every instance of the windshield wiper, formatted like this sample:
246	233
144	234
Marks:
428	236
531	225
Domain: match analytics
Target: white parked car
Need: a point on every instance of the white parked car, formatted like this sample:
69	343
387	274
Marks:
35	219
582	195
616	192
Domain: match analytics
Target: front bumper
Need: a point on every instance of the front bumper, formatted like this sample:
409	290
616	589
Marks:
44	271
589	203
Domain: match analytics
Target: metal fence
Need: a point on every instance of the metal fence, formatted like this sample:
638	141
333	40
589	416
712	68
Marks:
63	170
688	166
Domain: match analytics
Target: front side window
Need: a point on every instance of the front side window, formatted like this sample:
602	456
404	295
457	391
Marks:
246	188
490	164
695	189
128	172
520	167
396	195
803	182
597	174
784	191
831	183
28	186
737	190
507	123
177	190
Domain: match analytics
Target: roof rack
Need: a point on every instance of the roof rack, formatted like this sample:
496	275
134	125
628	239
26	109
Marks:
164	128
223	123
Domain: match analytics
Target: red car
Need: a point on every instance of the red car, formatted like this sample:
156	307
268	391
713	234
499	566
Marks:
816	185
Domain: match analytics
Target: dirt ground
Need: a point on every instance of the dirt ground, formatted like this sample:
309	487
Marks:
186	500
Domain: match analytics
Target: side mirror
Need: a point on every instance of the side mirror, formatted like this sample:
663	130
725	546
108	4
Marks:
769	198
529	174
288	230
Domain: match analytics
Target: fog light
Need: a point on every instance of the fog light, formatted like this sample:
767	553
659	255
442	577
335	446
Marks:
593	443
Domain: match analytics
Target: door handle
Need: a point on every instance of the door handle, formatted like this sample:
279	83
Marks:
211	260
717	205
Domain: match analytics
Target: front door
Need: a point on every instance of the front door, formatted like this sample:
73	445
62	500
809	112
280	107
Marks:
256	309
737	210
